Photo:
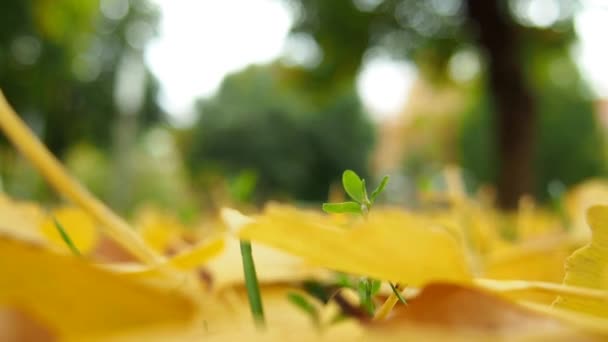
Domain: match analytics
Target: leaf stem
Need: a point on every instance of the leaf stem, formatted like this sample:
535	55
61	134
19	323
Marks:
253	287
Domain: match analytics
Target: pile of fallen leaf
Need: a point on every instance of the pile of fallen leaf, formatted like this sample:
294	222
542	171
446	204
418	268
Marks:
472	273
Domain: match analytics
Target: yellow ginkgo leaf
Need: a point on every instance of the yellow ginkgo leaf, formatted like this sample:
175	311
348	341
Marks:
272	265
540	259
578	200
456	312
390	245
75	298
79	226
588	266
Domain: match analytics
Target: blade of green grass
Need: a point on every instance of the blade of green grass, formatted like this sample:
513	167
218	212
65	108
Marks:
398	293
305	305
253	287
66	238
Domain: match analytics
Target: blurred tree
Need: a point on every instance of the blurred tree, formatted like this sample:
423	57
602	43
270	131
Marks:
567	134
58	64
262	122
498	37
431	33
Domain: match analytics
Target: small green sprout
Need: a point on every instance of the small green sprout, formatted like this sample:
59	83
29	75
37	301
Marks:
361	204
66	238
355	187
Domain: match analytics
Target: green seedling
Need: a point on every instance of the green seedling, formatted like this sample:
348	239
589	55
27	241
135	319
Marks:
361	204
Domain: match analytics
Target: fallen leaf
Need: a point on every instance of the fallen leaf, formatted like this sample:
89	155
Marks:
78	299
272	265
588	267
17	325
462	310
539	259
390	245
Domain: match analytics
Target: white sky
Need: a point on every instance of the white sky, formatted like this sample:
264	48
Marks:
592	55
201	41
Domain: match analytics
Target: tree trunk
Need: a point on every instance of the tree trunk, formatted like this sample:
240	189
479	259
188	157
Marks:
513	102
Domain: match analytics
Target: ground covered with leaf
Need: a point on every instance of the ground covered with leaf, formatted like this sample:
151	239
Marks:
455	271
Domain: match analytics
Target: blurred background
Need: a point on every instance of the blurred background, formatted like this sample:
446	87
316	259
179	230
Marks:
190	105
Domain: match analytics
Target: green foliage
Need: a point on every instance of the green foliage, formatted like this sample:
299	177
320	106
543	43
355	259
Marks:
428	32
570	142
477	144
296	144
568	139
59	65
152	179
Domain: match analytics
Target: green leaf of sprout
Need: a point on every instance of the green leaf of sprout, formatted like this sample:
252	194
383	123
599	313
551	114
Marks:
344	207
304	304
66	238
344	280
353	185
380	188
375	286
364	289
